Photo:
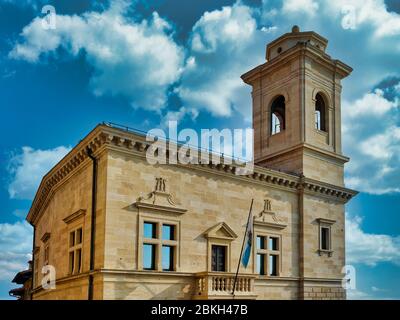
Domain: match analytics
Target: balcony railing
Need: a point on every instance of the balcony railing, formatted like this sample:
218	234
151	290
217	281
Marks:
219	285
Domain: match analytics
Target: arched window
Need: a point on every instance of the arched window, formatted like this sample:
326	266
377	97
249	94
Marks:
320	113
278	115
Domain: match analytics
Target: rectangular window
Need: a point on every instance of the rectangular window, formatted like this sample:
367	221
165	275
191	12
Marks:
150	230
149	256
159	246
71	262
75	251
72	239
218	258
260	263
260	242
46	255
273	243
273	265
167	258
78	254
79	236
267	255
325	241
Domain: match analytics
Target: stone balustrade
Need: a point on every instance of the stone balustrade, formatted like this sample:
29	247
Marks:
219	285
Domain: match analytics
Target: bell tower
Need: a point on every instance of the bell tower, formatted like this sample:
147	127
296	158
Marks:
296	107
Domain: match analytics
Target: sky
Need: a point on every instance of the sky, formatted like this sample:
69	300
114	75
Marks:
143	63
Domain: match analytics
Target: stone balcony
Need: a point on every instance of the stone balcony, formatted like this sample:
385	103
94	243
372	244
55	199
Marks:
219	285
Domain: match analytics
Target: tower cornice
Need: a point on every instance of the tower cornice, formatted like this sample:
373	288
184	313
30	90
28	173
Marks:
299	50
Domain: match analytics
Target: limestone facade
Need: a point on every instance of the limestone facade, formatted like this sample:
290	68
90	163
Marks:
207	205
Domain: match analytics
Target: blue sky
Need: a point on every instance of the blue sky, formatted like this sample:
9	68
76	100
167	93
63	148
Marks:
143	63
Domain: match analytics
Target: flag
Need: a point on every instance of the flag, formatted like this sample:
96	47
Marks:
248	240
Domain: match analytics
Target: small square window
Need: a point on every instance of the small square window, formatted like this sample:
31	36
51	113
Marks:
168	232
273	243
150	230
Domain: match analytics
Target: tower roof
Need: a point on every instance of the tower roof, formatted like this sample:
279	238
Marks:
290	39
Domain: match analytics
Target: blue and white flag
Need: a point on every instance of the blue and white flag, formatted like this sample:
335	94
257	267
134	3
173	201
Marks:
248	240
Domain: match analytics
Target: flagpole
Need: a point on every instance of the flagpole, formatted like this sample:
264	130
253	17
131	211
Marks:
241	251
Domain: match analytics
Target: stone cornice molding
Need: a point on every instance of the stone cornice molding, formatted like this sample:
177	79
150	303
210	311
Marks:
309	149
326	221
63	169
110	138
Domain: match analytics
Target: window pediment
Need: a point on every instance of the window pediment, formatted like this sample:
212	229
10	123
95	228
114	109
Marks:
74	216
268	218
45	237
220	231
159	200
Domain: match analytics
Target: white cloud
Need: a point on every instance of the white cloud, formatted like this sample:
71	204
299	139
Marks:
15	248
138	60
354	294
224	44
368	248
371	137
20	213
178	115
376	289
28	167
303	6
228	42
371	104
369	13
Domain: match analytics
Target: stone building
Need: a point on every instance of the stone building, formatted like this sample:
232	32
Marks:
116	227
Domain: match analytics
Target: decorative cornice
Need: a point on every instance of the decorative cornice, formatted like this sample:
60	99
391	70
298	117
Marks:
111	138
74	216
155	207
326	190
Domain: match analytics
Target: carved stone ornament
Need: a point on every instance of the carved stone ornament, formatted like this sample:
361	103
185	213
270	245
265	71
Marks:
268	218
159	200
